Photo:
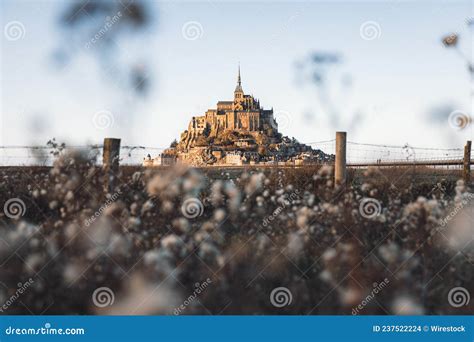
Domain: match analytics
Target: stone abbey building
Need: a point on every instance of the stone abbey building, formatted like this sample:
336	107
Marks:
237	132
243	114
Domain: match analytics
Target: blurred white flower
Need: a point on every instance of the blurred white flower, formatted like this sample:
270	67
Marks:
406	305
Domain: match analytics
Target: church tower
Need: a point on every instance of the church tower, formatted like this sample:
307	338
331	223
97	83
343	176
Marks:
238	92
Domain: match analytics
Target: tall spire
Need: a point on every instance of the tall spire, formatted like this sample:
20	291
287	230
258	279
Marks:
239	82
238	88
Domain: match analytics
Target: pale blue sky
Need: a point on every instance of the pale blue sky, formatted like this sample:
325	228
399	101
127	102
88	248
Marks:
396	79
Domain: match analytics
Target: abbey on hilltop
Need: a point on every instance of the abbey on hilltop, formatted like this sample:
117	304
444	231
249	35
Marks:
243	114
237	132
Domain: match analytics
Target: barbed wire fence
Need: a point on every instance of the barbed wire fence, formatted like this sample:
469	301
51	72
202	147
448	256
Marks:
364	155
359	155
45	155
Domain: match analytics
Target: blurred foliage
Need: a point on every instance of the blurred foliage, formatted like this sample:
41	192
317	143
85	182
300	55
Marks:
134	13
322	70
99	27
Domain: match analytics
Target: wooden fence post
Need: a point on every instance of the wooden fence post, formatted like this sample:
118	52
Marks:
111	155
340	165
467	162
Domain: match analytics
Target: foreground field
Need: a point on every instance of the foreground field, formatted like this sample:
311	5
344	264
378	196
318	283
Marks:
271	241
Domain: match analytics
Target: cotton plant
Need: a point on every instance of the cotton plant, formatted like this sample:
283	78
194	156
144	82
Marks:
249	232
